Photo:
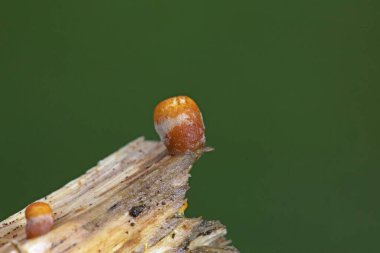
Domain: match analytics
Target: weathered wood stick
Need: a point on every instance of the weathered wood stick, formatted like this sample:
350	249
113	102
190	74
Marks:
132	201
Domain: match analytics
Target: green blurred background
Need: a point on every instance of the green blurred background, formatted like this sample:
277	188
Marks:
289	91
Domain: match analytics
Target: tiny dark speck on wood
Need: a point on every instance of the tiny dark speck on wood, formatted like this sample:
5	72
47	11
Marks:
136	210
113	207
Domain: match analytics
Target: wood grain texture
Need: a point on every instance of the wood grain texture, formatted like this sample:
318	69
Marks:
131	201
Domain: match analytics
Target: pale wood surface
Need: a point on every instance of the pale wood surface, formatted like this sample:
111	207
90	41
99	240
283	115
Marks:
129	202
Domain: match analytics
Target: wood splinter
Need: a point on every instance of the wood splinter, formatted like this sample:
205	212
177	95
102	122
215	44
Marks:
131	201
